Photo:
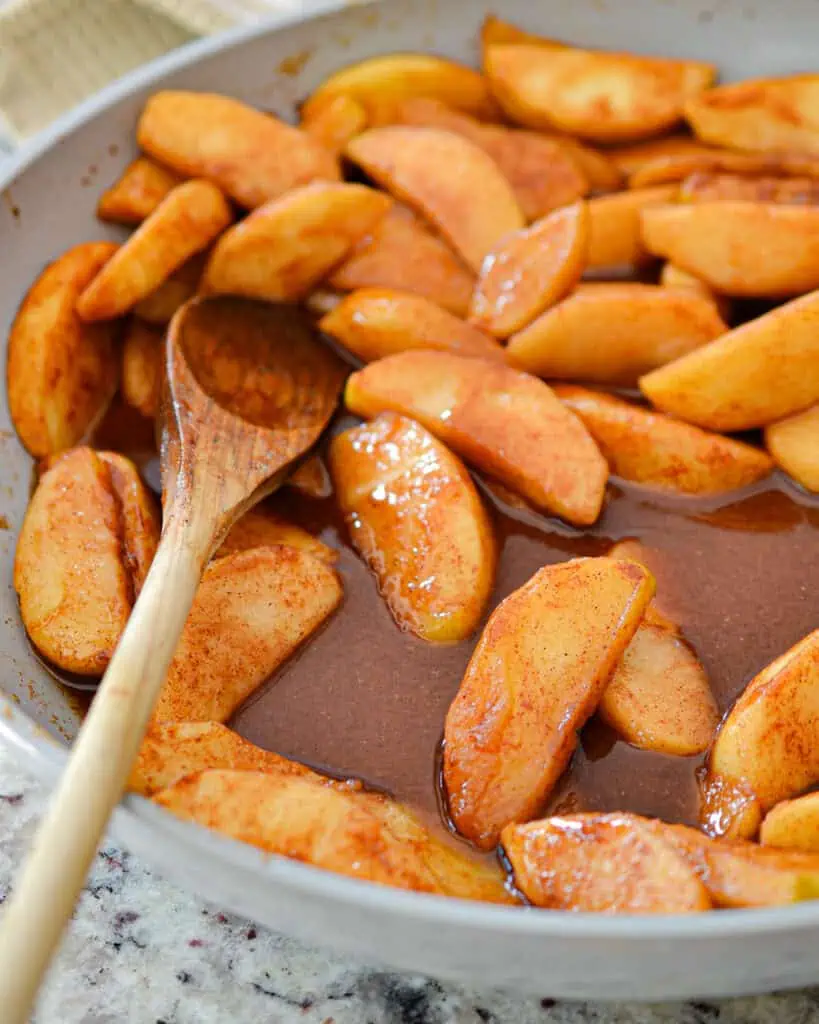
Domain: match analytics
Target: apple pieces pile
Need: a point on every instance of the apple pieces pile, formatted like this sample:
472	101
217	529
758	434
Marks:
532	268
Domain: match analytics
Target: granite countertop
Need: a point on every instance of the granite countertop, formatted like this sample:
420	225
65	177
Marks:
142	951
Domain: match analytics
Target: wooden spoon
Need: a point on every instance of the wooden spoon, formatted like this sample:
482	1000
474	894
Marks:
249	389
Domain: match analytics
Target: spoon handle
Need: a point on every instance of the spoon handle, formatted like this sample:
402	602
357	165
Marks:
97	772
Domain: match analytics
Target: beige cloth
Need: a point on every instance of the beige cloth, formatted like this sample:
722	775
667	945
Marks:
55	53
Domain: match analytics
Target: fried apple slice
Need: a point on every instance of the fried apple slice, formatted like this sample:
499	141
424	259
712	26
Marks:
759	114
174	751
251	612
61	373
416	519
794	445
380	83
615	241
543	174
652	449
607	863
252	157
506	423
742	874
752	376
602	96
672	276
439	174
739	247
282	249
262	527
534	678
142	367
78	527
401	253
671	168
633	157
363	835
793	825
530	271
135	196
335	122
641	326
769	741
601	172
184	223
377	322
159	307
707	186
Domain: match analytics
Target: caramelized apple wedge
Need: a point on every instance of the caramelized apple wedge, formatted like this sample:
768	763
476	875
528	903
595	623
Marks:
641	326
401	253
61	373
742	874
543	173
184	223
439	174
793	825
380	83
174	751
536	675
708	186
89	518
752	376
759	114
251	612
376	322
602	96
672	276
794	445
507	423
142	367
530	271
135	196
363	835
633	157
615	242
657	451
335	122
282	249
739	247
415	517
768	744
262	527
608	863
251	156
159	307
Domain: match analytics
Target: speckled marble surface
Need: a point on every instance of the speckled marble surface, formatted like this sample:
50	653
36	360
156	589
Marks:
141	951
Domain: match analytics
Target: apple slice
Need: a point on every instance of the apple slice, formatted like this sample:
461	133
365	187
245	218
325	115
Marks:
415	517
252	156
793	825
536	675
632	157
675	167
506	423
174	751
376	322
658	451
615	242
142	367
605	863
262	527
543	172
185	222
530	271
251	612
284	248
135	195
794	445
672	276
335	122
752	376
159	307
643	326
602	96
709	186
439	174
363	835
759	114
768	744
739	247
401	253
380	83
